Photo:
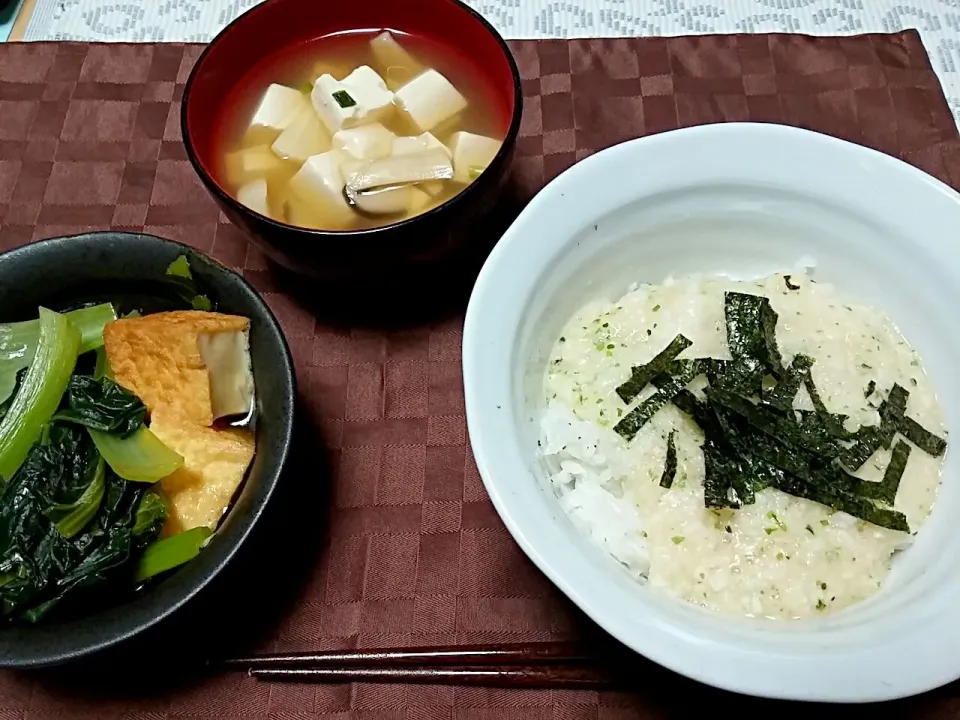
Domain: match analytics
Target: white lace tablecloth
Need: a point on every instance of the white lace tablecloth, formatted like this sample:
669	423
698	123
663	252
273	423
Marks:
199	20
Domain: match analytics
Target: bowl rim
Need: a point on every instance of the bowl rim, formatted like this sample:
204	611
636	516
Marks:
284	367
464	195
491	330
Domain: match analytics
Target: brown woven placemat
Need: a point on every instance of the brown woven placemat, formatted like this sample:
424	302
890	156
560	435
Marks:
382	534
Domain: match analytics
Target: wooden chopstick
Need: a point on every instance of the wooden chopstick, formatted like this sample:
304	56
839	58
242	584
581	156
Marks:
508	654
529	665
499	676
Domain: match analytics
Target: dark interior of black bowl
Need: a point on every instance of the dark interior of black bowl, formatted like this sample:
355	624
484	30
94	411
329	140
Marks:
60	272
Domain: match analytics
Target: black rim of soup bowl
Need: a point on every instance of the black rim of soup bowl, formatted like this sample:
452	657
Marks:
504	154
72	267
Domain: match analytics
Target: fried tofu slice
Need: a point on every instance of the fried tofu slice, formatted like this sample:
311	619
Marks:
158	357
161	357
214	463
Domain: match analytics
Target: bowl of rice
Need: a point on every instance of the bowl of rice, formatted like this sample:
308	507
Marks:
713	404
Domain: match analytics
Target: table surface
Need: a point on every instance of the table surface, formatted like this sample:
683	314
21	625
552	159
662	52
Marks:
395	541
938	21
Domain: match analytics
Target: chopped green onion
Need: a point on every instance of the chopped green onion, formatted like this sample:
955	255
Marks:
171	552
141	457
476	171
343	99
42	389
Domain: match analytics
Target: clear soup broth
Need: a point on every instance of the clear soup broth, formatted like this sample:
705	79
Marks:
358	130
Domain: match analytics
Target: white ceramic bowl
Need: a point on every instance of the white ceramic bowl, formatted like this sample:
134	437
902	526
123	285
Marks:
740	199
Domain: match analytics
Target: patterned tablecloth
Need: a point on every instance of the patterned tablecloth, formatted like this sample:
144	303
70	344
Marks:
382	534
938	21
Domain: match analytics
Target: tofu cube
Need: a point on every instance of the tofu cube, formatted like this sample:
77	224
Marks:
430	99
359	98
396	64
304	137
319	183
471	155
249	164
279	106
367	142
417	143
254	196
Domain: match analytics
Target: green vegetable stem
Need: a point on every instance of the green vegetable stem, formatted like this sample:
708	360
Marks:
18	341
141	457
43	386
171	552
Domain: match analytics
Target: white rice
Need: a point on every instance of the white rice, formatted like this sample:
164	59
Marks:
782	557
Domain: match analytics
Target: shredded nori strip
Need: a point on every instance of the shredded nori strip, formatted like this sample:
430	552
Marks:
790	286
871	386
643	374
768	464
848	502
833	423
699	412
721	470
752	445
810	437
783	395
886	489
631	423
768	322
921	437
670	466
869	439
751	339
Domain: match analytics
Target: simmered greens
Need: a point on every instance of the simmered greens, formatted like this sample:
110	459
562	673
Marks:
754	438
80	518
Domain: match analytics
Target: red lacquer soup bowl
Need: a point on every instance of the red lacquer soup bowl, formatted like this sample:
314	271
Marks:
275	33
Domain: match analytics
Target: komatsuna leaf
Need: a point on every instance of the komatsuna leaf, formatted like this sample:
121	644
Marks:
151	514
41	571
71	518
101	404
180	276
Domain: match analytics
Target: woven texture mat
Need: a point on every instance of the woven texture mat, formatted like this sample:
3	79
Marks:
382	534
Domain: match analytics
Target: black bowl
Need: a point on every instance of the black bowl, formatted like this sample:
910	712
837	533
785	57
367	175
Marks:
371	256
59	272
